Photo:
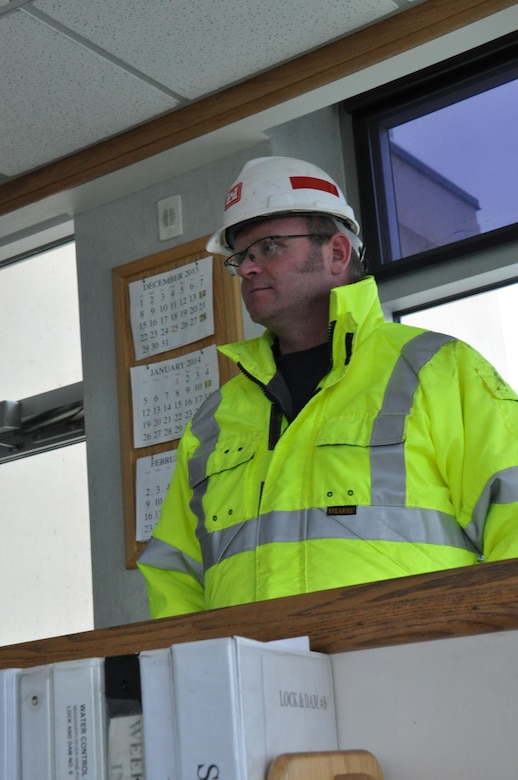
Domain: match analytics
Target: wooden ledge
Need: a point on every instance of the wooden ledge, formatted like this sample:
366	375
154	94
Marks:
458	602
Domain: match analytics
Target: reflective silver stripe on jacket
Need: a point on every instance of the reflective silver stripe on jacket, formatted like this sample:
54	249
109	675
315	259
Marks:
206	430
387	454
374	524
502	488
160	554
164	556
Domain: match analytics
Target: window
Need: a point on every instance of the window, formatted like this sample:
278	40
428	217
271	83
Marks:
437	160
487	320
45	558
41	403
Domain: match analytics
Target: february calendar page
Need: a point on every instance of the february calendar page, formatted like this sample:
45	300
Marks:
154	474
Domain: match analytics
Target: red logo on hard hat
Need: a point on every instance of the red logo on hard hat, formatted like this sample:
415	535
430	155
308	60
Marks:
312	183
233	195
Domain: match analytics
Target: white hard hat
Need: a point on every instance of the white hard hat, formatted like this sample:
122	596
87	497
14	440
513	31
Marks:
280	185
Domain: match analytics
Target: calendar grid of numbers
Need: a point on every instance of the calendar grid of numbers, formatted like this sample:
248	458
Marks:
166	394
172	309
154	475
180	300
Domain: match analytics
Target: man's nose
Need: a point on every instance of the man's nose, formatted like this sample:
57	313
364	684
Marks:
249	266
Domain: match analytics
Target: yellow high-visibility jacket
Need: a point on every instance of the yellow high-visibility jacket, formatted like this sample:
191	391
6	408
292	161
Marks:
404	461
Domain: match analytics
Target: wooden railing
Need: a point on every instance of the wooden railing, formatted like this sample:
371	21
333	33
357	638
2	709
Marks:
459	602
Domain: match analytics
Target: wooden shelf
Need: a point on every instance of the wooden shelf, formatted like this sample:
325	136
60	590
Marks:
459	602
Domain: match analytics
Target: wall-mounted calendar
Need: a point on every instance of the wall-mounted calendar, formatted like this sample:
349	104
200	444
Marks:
153	477
165	395
171	311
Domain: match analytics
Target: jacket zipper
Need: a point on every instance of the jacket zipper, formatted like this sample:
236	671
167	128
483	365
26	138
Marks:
274	431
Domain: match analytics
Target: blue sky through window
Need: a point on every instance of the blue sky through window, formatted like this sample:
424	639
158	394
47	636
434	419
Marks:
473	143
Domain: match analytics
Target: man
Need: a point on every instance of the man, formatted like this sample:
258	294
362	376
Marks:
348	449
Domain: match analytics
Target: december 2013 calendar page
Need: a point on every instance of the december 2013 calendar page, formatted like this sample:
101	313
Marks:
171	309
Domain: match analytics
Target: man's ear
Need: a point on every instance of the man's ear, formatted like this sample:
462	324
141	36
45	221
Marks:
341	254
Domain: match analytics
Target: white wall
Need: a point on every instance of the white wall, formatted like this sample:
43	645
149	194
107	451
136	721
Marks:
434	710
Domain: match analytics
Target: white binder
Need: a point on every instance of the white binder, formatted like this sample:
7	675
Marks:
239	703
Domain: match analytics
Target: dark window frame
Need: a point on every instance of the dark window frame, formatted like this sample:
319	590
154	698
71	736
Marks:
402	100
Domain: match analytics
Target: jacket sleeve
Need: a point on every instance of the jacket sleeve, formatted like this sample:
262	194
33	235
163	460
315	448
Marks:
495	510
171	561
477	450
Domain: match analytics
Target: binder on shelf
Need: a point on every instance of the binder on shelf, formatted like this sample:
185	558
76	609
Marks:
158	717
240	702
9	724
79	719
125	746
37	748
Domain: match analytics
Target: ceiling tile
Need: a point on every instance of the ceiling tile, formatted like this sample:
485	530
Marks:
57	96
195	48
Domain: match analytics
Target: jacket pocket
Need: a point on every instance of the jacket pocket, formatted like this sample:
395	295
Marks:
227	454
231	453
370	431
356	457
222	482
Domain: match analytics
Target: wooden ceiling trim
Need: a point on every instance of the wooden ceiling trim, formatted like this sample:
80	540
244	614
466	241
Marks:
411	28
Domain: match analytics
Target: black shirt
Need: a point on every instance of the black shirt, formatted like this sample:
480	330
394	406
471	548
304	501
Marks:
302	371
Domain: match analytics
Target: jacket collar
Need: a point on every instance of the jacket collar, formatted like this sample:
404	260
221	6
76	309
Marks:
355	311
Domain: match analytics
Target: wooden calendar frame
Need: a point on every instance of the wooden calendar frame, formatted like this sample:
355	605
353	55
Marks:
228	327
